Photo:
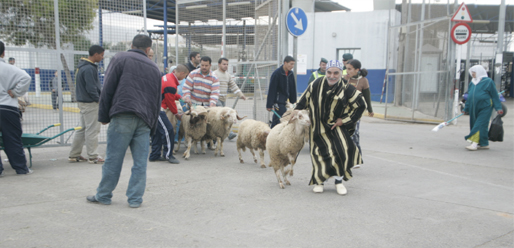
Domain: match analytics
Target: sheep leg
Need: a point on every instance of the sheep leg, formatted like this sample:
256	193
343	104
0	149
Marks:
254	156
240	156
187	153
277	173
180	136
217	146
284	174
261	153
202	143
195	147
292	160
220	146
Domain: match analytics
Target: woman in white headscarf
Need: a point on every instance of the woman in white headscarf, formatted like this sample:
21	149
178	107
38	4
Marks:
482	98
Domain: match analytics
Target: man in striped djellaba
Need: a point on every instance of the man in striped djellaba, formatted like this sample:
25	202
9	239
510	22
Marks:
334	108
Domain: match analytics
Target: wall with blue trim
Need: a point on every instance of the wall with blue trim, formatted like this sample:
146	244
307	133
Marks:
375	78
47	75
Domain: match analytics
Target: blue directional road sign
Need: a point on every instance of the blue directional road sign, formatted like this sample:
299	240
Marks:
296	21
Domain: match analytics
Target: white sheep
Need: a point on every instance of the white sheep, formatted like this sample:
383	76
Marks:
284	142
193	127
220	121
252	134
287	116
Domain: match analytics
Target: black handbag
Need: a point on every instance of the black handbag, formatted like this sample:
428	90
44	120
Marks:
496	129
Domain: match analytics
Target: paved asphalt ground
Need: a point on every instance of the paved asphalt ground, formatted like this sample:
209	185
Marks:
417	188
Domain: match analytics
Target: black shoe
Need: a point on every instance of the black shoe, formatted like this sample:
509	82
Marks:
159	159
173	160
28	172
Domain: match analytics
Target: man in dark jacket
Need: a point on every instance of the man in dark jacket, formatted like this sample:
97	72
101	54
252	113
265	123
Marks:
282	87
88	90
130	102
194	61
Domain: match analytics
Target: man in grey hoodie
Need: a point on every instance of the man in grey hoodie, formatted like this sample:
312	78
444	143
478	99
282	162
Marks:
14	83
88	90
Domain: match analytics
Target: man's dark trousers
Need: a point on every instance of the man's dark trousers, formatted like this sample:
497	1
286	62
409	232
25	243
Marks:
10	126
280	111
163	138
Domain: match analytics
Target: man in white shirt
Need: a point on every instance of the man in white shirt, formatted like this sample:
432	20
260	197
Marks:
226	83
14	83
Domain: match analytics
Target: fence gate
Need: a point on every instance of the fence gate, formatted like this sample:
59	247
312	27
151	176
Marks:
420	65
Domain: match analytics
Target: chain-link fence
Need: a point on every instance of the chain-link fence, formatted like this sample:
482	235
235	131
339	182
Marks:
244	32
419	64
29	30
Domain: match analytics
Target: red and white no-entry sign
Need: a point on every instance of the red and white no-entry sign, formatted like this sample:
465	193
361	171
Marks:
461	33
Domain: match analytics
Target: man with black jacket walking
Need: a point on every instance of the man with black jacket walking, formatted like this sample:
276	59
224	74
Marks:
282	87
130	102
88	90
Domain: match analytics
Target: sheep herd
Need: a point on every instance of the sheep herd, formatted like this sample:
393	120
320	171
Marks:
283	142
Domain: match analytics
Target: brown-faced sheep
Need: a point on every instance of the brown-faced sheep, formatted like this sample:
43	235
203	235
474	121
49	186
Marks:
284	142
193	127
252	134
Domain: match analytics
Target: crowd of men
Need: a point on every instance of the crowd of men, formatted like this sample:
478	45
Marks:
135	99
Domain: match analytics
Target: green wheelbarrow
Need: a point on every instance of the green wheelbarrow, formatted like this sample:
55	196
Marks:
30	140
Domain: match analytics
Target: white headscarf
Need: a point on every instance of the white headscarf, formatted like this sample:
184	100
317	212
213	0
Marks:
480	73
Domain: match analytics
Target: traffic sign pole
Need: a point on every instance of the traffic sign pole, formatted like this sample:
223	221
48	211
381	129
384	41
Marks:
296	22
295	55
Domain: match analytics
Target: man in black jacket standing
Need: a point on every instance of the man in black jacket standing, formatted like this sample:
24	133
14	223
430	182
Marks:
130	102
282	87
194	61
88	90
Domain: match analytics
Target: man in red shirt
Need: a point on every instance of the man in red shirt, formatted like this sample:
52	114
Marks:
164	136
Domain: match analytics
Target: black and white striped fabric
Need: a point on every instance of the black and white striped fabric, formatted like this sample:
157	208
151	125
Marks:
333	152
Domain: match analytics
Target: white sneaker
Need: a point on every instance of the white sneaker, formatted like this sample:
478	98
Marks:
341	189
357	166
318	189
472	147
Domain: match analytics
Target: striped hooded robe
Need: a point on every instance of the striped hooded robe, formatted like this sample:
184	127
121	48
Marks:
333	152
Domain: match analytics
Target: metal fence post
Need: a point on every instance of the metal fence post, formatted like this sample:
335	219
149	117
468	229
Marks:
59	66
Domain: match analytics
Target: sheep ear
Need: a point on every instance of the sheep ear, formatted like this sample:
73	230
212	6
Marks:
240	118
292	119
223	114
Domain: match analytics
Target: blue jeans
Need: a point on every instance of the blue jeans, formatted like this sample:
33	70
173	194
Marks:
125	130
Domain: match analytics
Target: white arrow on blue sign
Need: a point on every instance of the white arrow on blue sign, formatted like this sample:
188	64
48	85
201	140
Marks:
296	21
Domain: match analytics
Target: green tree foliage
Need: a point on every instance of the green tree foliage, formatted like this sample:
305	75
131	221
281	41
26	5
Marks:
33	22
